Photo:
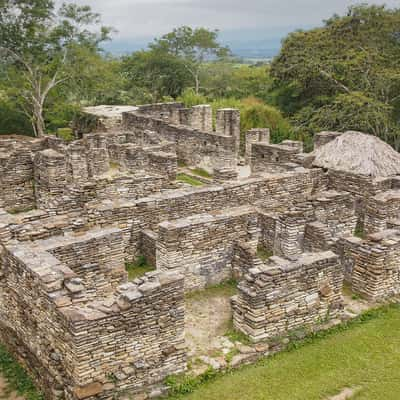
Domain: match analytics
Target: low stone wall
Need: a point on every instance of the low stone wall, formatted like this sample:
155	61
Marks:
255	136
128	187
325	137
312	224
282	296
336	210
373	265
273	193
380	210
80	347
198	148
16	172
96	257
274	157
201	247
359	186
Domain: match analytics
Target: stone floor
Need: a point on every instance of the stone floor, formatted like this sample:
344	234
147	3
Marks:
208	318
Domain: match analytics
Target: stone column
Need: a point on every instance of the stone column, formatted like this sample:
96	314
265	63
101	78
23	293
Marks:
228	124
50	178
201	118
98	157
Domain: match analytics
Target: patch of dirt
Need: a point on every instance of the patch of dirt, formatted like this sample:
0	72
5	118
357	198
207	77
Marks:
345	394
5	393
356	305
207	319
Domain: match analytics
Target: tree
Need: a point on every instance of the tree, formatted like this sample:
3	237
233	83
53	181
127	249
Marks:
193	47
152	75
352	58
37	44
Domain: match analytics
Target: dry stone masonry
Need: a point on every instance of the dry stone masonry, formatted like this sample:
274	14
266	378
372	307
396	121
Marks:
73	213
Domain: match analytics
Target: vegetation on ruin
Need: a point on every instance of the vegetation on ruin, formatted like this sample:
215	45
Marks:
227	288
190	180
263	253
201	172
17	378
321	365
138	268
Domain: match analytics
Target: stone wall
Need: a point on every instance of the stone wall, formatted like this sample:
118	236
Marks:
325	137
283	296
16	172
380	210
201	247
373	265
254	136
274	157
198	148
78	346
97	257
310	225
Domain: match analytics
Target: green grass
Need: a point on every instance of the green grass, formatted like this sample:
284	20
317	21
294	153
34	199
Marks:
201	172
227	288
138	268
236	336
20	210
181	164
359	231
189	180
66	134
364	353
16	377
263	253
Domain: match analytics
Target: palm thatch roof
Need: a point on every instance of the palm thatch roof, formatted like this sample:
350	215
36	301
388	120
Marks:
358	153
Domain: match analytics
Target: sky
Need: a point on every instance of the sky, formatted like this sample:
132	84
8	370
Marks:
243	23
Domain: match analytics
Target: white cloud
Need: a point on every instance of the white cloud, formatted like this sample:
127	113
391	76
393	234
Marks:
135	19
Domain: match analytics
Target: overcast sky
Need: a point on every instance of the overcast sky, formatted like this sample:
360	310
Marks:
139	20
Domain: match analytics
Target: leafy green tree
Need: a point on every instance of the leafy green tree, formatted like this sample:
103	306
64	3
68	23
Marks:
150	76
38	45
194	47
344	74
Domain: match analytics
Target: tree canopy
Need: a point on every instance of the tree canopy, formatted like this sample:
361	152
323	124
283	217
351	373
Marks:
193	47
344	74
40	46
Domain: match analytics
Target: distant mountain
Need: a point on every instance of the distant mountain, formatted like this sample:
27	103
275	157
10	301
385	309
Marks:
250	44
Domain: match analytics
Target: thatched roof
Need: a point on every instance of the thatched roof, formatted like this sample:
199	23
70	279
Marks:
358	153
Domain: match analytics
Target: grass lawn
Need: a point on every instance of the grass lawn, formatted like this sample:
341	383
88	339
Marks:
366	355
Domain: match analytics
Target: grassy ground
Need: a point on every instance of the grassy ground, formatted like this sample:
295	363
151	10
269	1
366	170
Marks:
17	379
189	180
138	268
366	355
201	172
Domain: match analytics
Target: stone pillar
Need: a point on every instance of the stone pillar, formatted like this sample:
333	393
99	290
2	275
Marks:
255	136
228	124
50	178
97	152
174	116
77	164
201	118
184	116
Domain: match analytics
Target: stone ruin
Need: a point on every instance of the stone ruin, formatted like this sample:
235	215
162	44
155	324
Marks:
74	212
